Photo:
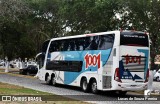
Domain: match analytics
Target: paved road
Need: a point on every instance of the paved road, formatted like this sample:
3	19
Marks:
156	85
36	84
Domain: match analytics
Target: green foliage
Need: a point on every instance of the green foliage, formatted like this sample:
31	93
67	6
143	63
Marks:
92	15
23	29
144	15
26	24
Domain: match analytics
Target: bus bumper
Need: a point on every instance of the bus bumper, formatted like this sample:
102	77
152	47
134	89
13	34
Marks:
132	87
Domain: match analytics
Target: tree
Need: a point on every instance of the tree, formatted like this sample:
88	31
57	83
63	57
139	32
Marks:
44	22
11	25
143	15
93	15
25	25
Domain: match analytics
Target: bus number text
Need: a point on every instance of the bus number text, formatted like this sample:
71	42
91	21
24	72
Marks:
133	59
92	60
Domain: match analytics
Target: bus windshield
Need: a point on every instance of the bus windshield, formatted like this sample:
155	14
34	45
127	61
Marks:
134	39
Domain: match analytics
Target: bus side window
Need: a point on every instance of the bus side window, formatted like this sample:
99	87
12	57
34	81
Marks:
52	47
81	44
59	45
93	43
76	45
66	45
72	45
55	46
106	42
86	43
62	46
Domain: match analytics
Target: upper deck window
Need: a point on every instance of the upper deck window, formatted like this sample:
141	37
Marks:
45	45
99	42
134	39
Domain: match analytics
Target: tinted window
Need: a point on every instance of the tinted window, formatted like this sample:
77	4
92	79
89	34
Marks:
61	65
106	42
93	42
134	39
45	45
101	42
53	46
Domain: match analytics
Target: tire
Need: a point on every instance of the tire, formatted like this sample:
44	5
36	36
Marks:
53	80
84	85
94	86
157	79
48	80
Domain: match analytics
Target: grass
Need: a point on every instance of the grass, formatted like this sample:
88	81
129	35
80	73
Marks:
2	69
8	89
14	90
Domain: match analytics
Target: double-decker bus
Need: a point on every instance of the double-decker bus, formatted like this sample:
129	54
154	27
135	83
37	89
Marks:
107	61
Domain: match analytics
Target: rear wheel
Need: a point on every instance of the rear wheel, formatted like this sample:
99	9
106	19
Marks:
84	85
157	79
94	86
53	80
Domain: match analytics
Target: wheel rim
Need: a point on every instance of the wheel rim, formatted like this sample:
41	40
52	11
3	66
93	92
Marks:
84	85
53	81
47	79
157	79
94	86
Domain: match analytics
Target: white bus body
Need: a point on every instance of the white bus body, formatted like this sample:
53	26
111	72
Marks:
99	61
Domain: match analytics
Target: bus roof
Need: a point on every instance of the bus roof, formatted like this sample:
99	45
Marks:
99	33
132	32
85	35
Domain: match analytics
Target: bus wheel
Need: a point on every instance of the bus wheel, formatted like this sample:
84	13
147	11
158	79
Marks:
84	85
157	79
48	80
94	86
53	81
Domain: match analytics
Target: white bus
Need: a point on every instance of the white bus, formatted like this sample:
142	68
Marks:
107	61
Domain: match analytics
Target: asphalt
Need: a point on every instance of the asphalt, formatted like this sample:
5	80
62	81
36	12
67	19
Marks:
72	92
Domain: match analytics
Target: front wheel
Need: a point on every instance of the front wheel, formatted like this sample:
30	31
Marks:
48	80
94	86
